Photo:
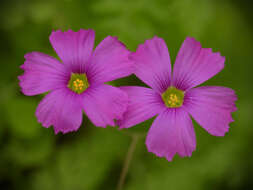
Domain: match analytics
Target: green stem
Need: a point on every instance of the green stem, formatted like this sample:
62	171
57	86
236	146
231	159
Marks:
127	161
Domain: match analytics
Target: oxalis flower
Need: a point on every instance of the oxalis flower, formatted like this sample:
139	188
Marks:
77	84
173	98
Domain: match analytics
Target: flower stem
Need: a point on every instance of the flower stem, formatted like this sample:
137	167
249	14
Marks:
127	161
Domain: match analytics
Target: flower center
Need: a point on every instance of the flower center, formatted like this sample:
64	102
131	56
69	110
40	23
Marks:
78	83
173	98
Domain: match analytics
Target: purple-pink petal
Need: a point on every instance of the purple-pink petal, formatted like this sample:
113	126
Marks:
172	132
194	64
103	104
42	73
211	107
62	109
74	48
110	61
152	64
144	103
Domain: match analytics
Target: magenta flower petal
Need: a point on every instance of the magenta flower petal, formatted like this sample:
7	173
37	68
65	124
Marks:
62	109
194	64
152	64
104	103
110	61
74	48
144	103
211	107
42	73
172	132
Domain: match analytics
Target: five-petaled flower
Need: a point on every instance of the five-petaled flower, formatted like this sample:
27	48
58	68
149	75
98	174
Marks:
77	83
174	99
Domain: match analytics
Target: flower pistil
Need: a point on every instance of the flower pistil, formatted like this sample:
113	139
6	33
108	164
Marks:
78	83
173	97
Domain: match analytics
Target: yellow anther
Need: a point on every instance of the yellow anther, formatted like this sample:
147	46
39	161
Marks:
173	97
78	84
173	100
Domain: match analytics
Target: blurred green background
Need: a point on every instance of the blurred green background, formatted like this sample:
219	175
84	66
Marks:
33	158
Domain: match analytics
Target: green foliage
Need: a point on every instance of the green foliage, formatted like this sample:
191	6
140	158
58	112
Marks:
22	124
33	158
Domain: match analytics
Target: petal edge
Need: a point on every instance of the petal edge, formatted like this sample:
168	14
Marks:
152	64
103	104
211	107
60	108
144	103
194	64
172	132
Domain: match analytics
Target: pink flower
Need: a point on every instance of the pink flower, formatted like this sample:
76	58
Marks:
77	84
173	98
